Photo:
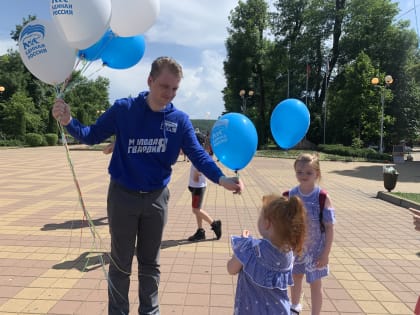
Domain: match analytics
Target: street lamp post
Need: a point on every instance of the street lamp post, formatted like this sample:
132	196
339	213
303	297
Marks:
387	82
243	94
2	89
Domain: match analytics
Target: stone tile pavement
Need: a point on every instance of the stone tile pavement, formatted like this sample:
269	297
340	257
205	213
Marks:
50	262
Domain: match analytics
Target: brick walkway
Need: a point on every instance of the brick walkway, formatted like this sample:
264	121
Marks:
49	260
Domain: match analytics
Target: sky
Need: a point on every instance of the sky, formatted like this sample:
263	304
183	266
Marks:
191	31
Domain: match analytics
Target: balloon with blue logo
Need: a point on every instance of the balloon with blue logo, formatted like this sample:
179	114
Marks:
45	53
234	140
289	122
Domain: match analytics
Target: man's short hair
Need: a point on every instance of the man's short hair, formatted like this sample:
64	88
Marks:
165	62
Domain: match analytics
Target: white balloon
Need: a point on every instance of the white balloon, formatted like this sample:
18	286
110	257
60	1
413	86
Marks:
133	17
45	53
82	22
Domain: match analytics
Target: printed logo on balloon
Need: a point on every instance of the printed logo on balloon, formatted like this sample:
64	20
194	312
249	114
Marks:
45	53
289	122
82	23
234	140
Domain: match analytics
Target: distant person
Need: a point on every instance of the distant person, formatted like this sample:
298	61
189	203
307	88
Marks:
207	144
197	186
314	262
184	155
150	132
265	264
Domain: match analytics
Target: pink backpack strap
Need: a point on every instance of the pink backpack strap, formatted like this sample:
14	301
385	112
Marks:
322	197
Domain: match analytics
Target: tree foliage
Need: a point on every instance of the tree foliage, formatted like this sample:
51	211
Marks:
325	52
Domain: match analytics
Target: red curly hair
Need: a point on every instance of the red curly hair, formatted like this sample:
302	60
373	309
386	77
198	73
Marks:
288	217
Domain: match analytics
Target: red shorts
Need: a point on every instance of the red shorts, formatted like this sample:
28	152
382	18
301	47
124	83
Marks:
197	194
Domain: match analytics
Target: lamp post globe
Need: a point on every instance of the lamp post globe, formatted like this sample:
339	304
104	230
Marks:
244	96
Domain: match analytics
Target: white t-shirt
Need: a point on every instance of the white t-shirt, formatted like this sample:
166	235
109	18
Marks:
202	182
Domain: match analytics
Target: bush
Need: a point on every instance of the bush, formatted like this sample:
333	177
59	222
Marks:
339	149
51	138
11	143
34	139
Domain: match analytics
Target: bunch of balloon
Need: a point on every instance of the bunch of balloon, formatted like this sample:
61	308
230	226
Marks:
289	122
234	140
111	30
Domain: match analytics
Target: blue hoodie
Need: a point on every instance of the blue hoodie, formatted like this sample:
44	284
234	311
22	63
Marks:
147	143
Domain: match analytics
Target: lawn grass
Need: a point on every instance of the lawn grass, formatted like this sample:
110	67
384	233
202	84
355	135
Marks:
409	196
292	154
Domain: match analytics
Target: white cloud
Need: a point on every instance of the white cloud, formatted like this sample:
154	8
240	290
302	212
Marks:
199	94
192	22
6	44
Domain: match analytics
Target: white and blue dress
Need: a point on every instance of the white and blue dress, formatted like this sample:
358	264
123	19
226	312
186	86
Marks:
315	239
264	279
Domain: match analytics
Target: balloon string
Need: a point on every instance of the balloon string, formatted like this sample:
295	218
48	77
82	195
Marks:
76	182
60	90
98	54
86	214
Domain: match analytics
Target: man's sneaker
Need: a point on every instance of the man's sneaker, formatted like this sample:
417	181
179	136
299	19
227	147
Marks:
216	226
198	236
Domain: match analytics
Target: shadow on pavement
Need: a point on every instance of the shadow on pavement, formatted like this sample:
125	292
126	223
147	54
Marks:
73	224
408	172
173	243
86	262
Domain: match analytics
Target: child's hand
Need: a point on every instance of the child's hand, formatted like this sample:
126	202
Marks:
245	233
322	261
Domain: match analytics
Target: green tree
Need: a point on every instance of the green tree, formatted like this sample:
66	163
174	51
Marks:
15	116
393	48
88	98
356	113
246	64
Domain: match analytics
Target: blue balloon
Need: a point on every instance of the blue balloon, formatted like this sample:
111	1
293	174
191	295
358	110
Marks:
123	52
94	52
289	122
234	140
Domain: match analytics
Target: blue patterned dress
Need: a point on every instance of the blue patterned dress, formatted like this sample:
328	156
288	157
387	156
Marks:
264	278
315	241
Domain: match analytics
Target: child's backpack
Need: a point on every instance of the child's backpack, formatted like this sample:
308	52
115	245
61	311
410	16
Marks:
322	197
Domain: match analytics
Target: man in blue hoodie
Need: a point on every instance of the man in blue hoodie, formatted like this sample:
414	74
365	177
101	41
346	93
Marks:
150	131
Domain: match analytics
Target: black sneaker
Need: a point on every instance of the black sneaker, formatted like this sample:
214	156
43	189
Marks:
216	226
198	236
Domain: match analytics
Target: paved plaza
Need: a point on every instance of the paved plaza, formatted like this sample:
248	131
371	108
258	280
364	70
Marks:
52	263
